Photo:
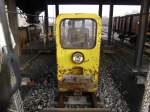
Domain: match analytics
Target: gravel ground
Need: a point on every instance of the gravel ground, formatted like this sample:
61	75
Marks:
120	65
40	97
109	92
43	89
146	99
125	82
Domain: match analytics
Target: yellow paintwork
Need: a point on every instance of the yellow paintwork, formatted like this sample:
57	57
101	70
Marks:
92	56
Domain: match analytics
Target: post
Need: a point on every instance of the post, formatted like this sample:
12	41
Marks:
10	66
83	23
13	22
100	10
130	24
57	9
46	23
125	27
143	27
118	25
110	23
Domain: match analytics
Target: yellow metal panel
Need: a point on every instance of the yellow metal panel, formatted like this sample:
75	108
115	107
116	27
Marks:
92	56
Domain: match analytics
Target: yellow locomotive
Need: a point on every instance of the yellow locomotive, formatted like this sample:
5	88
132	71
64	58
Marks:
78	39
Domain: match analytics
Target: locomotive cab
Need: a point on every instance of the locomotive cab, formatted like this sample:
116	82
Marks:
78	39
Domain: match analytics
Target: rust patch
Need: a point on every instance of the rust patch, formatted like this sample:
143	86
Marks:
77	86
70	82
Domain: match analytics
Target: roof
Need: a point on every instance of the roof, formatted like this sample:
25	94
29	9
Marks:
116	2
32	6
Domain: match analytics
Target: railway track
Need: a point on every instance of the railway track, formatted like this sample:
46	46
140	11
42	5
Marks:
69	102
62	102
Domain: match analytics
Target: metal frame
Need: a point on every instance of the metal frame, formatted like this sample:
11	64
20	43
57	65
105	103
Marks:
100	10
110	23
142	30
10	58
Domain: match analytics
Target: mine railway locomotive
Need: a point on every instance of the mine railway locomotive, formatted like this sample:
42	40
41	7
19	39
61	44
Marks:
78	38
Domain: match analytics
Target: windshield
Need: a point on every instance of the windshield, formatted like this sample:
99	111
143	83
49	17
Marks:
78	33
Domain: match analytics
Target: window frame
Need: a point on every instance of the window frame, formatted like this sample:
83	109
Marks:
78	19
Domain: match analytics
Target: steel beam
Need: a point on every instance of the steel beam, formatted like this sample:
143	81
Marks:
5	27
95	2
110	23
57	9
130	24
143	28
46	22
10	62
100	10
13	22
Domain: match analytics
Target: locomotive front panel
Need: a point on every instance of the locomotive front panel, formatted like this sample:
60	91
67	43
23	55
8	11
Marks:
78	38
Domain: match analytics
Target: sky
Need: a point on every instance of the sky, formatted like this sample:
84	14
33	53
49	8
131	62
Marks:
119	10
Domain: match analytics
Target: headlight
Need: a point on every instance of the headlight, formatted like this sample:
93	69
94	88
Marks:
78	57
